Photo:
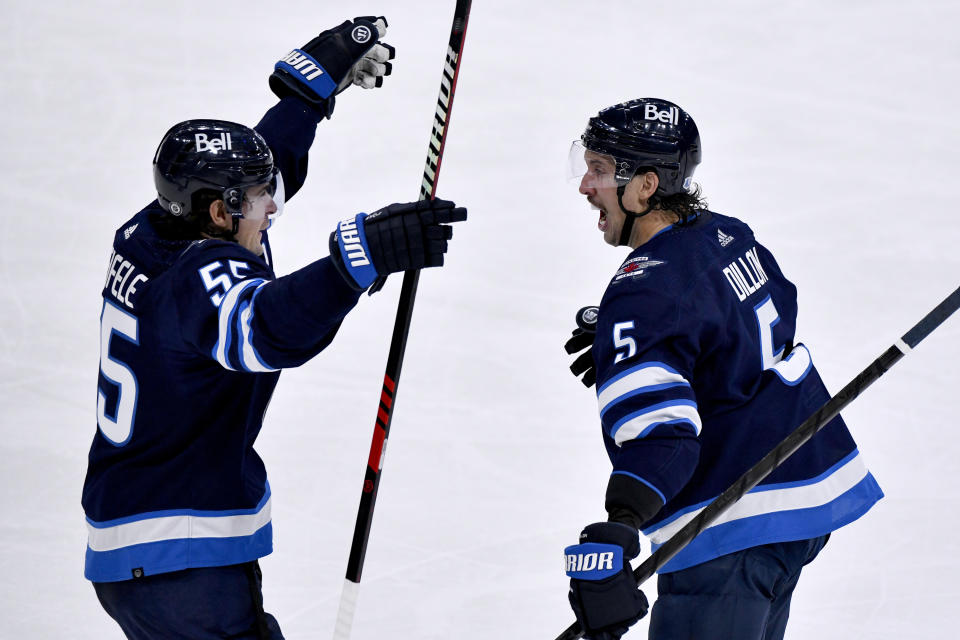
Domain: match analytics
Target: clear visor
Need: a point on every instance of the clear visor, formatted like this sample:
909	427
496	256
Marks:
264	201
592	169
279	195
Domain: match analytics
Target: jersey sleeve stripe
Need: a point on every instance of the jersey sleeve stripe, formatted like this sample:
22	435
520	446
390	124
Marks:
649	376
249	357
640	423
227	319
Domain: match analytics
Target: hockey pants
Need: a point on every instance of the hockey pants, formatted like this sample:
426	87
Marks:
200	604
739	596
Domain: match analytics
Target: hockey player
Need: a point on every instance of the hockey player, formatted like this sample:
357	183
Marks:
195	328
698	375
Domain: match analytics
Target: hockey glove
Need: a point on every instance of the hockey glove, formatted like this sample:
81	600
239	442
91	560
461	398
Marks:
397	238
582	339
604	595
335	59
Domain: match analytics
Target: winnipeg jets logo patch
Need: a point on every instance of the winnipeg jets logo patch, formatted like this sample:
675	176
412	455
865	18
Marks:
636	268
723	238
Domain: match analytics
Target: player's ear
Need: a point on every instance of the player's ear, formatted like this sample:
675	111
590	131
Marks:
650	183
219	215
640	188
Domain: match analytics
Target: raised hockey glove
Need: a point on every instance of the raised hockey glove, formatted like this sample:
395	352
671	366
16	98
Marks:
397	238
348	54
604	595
582	339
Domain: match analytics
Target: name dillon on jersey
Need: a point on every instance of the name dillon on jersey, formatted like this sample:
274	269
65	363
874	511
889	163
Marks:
745	274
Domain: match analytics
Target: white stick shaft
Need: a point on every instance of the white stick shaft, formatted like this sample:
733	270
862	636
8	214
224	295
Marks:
348	606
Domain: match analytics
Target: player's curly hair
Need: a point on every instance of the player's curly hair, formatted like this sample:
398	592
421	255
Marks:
687	206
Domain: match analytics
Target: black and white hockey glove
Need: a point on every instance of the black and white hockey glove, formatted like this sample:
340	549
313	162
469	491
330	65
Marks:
604	595
347	54
397	238
581	339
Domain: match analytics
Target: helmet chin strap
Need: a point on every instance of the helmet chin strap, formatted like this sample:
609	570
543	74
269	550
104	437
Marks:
630	217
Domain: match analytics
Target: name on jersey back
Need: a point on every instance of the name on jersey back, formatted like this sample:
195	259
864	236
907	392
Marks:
123	279
745	274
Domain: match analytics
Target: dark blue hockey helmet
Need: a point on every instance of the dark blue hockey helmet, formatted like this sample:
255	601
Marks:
213	156
647	133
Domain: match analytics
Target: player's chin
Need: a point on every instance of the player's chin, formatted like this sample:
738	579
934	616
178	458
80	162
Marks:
610	235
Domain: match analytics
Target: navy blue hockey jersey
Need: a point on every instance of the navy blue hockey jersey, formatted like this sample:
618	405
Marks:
699	376
193	335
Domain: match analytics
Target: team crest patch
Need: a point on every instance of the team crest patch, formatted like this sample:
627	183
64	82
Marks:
636	268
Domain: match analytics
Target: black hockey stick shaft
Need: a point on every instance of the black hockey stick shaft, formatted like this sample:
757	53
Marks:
401	328
788	446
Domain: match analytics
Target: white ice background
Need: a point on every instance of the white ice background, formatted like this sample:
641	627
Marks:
829	126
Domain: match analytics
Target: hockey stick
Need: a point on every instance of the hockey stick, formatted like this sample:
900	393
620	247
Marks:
789	445
401	327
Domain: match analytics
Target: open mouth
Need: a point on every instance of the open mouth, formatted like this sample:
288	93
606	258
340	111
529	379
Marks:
602	221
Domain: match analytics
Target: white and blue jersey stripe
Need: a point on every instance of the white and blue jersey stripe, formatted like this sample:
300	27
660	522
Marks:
235	348
171	540
774	513
644	397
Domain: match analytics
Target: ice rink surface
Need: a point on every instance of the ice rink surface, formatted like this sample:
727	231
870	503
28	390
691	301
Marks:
830	127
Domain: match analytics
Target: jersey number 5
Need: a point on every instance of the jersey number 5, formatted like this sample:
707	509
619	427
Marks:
621	341
115	322
794	367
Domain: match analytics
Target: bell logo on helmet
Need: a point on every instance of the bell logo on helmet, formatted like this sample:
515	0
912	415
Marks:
670	116
220	143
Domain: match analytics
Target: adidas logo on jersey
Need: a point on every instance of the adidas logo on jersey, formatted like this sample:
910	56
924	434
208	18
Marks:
129	231
670	116
723	238
302	63
220	143
352	247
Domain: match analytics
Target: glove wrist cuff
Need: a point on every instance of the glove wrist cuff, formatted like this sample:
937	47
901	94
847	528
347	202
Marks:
628	494
303	69
593	560
350	253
